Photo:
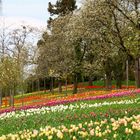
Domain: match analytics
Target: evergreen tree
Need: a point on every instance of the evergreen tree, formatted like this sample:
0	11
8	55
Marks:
62	7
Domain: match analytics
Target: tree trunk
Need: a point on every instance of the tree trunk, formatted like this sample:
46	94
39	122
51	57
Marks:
32	85
60	85
90	82
45	85
108	71
38	84
11	98
6	97
119	76
0	97
75	83
137	72
51	85
119	83
66	84
127	74
108	81
105	80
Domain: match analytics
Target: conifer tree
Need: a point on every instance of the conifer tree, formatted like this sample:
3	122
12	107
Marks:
62	7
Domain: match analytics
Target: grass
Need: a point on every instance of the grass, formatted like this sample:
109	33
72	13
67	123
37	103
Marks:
68	117
101	83
75	116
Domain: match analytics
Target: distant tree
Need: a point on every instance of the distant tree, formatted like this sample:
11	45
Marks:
16	49
62	7
54	56
52	46
9	76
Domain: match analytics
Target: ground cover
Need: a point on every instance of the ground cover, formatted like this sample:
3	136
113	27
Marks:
45	96
26	122
91	95
123	128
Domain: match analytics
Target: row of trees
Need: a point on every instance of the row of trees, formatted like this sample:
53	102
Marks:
95	40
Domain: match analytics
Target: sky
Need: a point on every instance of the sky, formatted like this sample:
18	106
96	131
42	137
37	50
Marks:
25	11
32	12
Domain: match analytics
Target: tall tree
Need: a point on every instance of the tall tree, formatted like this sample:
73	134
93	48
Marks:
9	76
126	16
53	45
16	46
54	56
62	7
112	20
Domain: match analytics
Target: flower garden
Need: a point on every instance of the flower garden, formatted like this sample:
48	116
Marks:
93	115
74	77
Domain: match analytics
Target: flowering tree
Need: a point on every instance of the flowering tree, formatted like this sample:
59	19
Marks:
15	47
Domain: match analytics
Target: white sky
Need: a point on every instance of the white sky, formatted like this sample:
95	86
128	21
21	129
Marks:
31	12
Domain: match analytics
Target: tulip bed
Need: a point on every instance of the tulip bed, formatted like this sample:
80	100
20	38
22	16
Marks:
41	97
53	99
104	117
122	128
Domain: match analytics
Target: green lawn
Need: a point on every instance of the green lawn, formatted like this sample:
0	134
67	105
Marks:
68	117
